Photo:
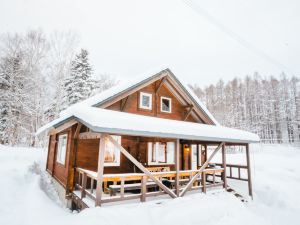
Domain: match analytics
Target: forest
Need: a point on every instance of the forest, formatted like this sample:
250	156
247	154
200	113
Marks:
267	106
42	74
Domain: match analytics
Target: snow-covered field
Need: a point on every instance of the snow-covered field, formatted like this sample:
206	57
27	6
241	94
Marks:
28	198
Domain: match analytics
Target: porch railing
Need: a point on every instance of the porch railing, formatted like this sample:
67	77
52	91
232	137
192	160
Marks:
86	183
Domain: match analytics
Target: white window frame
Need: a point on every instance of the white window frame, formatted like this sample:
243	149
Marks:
141	101
154	147
161	104
62	149
116	151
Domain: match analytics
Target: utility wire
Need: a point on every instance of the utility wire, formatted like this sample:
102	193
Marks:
234	35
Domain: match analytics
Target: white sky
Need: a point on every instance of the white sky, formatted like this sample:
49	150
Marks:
126	38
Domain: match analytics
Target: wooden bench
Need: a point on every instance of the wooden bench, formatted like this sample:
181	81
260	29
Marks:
114	188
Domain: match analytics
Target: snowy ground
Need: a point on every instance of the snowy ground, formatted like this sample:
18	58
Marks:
28	198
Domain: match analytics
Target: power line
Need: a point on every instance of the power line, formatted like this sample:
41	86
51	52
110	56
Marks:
234	35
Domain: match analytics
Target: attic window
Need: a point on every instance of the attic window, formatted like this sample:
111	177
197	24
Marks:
145	100
165	104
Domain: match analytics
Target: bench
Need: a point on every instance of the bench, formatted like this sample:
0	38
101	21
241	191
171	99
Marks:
114	188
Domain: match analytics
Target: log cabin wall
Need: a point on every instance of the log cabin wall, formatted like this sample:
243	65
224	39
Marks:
56	169
132	104
88	151
51	152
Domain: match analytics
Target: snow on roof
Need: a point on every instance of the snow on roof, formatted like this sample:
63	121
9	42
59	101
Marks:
114	122
128	84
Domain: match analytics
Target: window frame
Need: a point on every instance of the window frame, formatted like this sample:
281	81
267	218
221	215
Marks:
154	152
141	106
117	153
59	150
161	104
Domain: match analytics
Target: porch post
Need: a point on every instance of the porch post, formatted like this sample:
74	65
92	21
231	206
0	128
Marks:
99	190
249	171
177	150
224	176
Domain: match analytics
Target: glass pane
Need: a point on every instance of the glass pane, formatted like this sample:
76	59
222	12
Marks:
161	152
170	152
146	101
166	105
112	153
194	157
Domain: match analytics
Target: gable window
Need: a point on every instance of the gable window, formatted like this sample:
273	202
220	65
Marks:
145	100
161	153
62	148
112	153
165	104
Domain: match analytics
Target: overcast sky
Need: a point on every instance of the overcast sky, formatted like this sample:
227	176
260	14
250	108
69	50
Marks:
126	38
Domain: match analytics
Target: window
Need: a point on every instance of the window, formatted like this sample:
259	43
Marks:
161	153
165	104
112	153
62	148
145	100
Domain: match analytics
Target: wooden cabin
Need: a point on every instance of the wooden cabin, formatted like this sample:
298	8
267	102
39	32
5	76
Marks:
140	139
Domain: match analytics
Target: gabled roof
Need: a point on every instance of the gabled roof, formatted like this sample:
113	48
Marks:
127	87
114	122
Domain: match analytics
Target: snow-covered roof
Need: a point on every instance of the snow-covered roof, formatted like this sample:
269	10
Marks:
114	122
126	85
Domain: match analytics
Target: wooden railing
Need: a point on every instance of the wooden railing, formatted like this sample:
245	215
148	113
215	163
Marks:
86	183
231	167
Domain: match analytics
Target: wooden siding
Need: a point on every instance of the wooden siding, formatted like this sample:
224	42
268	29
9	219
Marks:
132	104
60	171
51	152
88	152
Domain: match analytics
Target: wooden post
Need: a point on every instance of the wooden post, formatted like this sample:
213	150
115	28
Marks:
83	185
177	150
144	189
122	187
249	171
100	171
224	177
203	182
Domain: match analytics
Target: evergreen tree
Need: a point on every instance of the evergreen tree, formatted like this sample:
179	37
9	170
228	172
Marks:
78	86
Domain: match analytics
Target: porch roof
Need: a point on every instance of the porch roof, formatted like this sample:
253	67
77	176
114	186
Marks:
114	122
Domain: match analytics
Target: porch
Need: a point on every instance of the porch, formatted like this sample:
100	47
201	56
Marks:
95	188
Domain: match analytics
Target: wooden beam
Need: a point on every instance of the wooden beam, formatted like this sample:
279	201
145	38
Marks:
141	167
89	135
188	113
62	127
249	171
224	176
123	103
100	171
77	131
202	168
163	80
177	150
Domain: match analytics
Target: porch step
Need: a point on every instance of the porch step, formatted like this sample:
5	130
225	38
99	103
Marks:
236	194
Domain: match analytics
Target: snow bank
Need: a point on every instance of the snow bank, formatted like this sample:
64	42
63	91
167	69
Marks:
276	179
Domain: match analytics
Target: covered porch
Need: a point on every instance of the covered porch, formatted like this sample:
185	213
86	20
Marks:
195	168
